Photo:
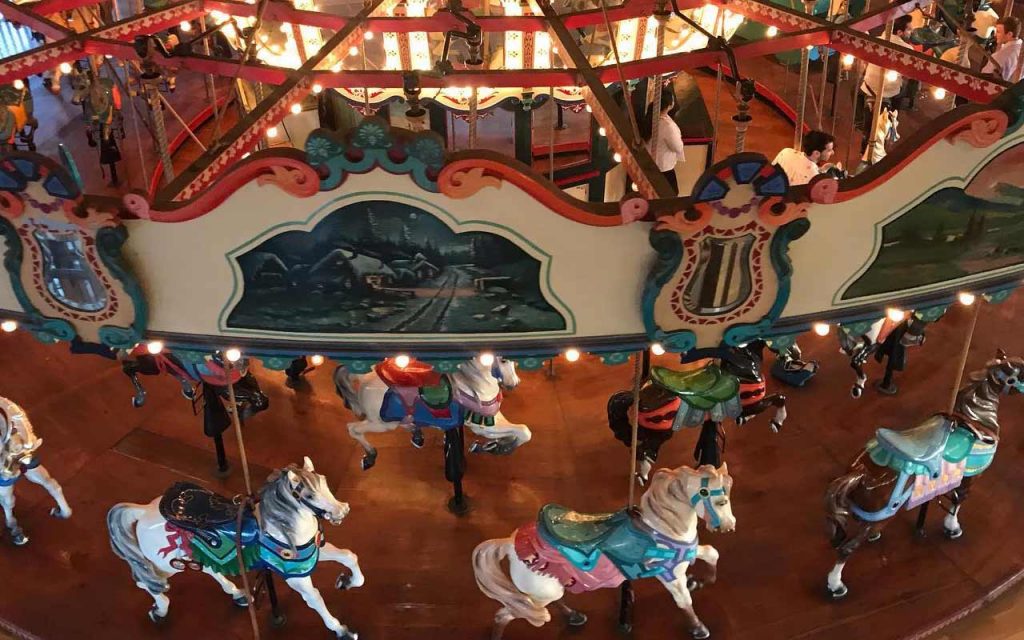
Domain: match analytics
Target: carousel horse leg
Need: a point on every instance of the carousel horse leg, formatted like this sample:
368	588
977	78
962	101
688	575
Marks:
503	437
346	558
643	471
311	595
951	523
862	380
709	555
237	595
357	431
887	386
18	536
132	372
572	616
501	620
836	588
778	401
681	594
40	476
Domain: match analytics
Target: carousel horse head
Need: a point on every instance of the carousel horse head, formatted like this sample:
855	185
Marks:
81	83
294	490
501	369
674	493
1005	373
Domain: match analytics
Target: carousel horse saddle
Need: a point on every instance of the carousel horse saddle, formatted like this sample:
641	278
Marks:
205	513
703	388
584	538
431	406
920	444
415	374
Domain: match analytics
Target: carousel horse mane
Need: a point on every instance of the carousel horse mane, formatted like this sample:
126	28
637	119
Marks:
13	420
278	504
979	399
665	505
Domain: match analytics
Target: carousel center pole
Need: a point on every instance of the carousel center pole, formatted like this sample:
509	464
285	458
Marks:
641	363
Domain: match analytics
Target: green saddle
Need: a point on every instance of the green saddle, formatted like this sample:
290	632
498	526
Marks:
438	396
581	530
702	389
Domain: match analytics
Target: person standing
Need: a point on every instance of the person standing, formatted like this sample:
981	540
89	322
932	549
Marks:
874	75
667	150
1003	63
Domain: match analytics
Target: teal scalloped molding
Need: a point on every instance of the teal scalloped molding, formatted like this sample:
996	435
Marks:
370	144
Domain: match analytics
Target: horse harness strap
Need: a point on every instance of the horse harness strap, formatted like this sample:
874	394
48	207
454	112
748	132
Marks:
704	495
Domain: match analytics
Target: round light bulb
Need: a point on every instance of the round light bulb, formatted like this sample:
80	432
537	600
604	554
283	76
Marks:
402	361
821	328
848	60
19	84
271	132
617	157
939	93
810	47
892	76
185	26
317	88
368	35
353	50
772	32
233	355
590	109
317	360
601	131
572	355
296	108
285	27
966	298
154	347
487	359
337	68
896	315
8	326
65	67
657	349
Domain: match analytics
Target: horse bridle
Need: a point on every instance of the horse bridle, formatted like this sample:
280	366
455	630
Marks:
704	495
496	371
297	494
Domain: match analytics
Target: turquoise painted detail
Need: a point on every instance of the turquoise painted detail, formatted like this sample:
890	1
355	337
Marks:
276	363
669	248
996	297
614	358
782	342
109	242
191	357
783	266
858	328
360	366
372	143
931	314
69	163
530	363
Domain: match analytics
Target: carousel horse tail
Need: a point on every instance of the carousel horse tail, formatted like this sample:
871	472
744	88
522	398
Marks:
837	505
346	389
495	583
121	521
618	416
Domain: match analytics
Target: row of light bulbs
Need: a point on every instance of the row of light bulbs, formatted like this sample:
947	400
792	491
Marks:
233	354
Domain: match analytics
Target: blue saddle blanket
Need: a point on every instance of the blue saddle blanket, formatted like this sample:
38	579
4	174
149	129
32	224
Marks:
395	409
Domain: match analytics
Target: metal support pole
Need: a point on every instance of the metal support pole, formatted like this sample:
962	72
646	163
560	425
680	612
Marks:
159	130
473	103
801	101
211	84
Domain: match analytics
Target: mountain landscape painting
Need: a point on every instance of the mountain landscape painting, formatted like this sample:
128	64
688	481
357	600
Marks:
953	233
382	266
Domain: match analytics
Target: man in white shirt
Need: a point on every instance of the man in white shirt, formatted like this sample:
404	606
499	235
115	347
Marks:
801	166
1008	54
874	74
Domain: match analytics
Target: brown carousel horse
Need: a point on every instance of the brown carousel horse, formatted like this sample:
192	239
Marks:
904	469
705	395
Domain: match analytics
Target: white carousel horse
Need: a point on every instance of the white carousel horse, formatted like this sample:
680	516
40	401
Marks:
473	399
191	527
886	134
580	552
18	448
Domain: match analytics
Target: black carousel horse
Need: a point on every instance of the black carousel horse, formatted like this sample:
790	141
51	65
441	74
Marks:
885	341
733	387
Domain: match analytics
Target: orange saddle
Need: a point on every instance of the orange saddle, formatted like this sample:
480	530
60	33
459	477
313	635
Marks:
415	374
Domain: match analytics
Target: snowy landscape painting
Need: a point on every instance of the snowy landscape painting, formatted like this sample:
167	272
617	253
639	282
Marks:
382	266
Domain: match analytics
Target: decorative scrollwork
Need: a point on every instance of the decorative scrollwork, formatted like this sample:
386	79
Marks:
981	129
463	183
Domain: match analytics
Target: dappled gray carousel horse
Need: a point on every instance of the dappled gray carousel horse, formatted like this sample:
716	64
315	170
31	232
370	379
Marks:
193	528
18	448
904	469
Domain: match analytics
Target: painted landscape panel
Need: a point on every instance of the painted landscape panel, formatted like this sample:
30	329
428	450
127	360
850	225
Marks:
382	266
953	233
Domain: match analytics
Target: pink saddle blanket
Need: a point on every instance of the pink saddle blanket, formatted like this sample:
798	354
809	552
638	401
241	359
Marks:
542	558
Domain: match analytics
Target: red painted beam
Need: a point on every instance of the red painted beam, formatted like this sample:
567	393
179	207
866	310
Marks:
38	60
149	22
32	20
788	42
47	7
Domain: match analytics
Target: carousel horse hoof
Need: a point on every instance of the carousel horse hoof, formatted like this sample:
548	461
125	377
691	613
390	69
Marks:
139	400
887	390
838	594
417	439
857	391
343	582
344	634
875	537
626	628
278	621
692	584
577	619
18	537
369	460
700	633
56	512
241	601
775	426
155	617
953	534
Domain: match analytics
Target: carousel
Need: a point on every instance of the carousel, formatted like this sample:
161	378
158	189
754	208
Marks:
491	304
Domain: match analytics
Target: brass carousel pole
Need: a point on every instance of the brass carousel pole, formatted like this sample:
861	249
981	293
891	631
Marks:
879	90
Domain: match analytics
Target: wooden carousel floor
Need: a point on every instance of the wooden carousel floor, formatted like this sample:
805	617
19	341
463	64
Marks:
67	584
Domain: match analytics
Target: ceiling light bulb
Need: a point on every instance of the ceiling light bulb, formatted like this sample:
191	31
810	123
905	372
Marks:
65	67
892	76
657	349
296	108
271	132
233	355
896	315
939	93
155	347
617	157
368	35
19	84
821	328
601	131
402	361
848	60
353	50
8	326
317	360
572	355
487	359
772	32
317	88
185	26
966	298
